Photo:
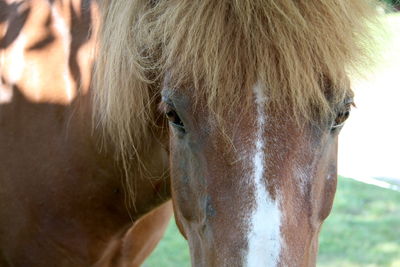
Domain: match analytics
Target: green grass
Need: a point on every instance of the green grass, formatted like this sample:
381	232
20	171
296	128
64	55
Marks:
362	230
392	2
172	251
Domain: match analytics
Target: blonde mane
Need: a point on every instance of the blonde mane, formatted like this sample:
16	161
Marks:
221	48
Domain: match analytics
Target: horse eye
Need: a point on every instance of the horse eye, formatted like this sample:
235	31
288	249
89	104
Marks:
342	115
174	119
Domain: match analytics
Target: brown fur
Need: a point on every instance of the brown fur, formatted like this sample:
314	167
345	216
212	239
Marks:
61	199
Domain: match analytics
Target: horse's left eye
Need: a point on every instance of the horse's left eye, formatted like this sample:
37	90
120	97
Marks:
342	115
174	119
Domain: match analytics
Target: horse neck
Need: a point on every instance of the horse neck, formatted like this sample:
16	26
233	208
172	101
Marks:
47	55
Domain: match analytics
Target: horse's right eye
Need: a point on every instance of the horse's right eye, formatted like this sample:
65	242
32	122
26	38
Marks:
342	114
174	119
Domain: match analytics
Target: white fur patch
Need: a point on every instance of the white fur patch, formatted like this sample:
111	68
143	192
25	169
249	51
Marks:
15	60
63	30
264	237
6	94
302	174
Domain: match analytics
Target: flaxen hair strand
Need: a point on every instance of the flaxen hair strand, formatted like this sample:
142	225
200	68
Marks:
221	48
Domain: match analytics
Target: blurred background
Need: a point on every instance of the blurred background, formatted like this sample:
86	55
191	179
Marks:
364	226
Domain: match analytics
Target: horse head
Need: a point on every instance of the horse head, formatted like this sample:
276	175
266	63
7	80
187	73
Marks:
255	94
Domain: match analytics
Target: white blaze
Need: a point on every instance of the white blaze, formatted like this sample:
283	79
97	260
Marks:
264	236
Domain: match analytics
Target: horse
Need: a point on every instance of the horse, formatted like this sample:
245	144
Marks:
232	109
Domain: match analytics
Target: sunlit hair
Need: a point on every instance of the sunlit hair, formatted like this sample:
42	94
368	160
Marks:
221	48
